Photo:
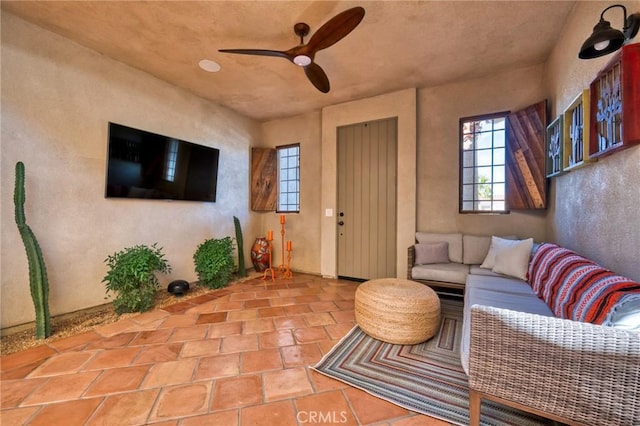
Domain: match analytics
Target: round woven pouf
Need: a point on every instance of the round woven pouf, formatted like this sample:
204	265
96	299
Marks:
397	311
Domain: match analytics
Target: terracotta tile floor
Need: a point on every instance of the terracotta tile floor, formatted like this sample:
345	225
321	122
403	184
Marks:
235	356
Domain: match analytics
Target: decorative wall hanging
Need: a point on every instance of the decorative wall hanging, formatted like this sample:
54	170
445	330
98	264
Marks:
615	104
576	133
554	143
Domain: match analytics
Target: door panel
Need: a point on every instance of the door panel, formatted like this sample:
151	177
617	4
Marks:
367	185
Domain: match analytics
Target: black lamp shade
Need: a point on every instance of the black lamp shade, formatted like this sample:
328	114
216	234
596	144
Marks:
595	45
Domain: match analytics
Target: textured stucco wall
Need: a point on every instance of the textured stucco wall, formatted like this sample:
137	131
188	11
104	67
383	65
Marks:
57	98
594	210
303	229
439	112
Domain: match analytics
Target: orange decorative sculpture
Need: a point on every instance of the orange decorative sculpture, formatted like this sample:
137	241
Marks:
270	270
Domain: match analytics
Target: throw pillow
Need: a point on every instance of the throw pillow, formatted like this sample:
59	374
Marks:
626	313
513	259
427	253
453	239
497	243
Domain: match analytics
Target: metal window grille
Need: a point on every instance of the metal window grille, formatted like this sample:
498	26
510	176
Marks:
289	178
482	164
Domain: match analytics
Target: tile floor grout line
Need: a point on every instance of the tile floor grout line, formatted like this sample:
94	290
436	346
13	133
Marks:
95	410
154	406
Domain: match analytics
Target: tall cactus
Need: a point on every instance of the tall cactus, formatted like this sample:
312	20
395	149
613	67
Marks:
241	268
37	270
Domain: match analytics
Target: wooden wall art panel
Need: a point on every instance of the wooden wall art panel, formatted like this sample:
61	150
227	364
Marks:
615	104
526	186
264	179
555	147
576	132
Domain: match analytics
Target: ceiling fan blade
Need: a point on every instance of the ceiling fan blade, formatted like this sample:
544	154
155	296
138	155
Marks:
335	29
259	52
317	77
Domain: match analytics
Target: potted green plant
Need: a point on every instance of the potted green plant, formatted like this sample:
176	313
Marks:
132	276
214	262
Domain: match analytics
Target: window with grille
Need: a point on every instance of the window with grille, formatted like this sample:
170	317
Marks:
482	164
288	178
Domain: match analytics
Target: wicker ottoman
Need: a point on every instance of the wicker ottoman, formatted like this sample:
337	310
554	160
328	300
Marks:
397	311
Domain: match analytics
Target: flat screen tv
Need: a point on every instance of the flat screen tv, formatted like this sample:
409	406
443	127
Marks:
142	164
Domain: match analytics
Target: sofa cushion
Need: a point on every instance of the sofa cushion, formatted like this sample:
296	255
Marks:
427	253
445	272
475	248
506	293
454	240
576	288
477	270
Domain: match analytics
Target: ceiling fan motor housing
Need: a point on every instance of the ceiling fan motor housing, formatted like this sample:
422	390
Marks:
302	30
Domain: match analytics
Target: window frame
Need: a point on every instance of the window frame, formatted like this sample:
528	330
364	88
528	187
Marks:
279	208
461	166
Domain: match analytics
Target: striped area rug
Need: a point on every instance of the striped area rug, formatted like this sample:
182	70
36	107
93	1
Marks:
426	378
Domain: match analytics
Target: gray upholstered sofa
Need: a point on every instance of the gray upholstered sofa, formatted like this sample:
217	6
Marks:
518	348
517	351
444	260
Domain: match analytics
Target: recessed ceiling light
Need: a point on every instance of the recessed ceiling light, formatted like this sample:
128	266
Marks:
209	65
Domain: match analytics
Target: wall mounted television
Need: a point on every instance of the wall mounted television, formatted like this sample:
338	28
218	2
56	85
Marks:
142	164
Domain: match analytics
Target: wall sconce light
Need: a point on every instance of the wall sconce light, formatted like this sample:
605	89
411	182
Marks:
605	39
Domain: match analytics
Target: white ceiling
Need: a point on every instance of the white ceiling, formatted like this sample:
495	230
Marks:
398	44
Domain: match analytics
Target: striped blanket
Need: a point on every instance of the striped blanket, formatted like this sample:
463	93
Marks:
576	288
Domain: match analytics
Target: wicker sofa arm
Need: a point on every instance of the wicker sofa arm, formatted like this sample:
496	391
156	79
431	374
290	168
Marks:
583	372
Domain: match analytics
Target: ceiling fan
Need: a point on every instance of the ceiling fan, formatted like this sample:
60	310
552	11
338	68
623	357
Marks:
302	55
